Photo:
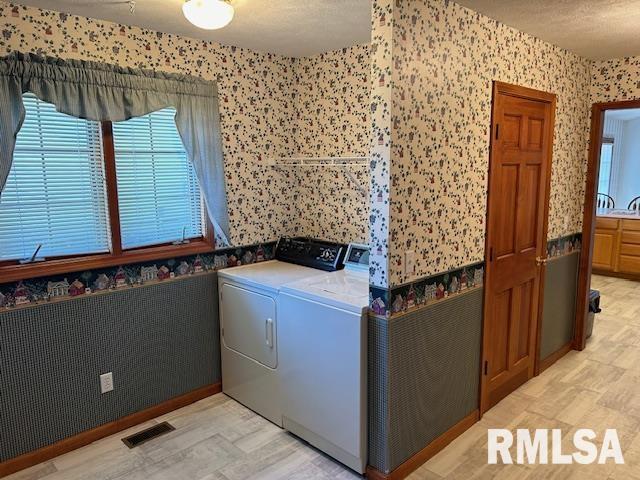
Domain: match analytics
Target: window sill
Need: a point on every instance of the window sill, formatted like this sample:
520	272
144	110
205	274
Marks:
13	273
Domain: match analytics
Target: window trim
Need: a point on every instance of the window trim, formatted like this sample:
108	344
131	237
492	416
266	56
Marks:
12	271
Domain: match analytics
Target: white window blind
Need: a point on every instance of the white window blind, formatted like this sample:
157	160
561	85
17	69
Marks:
55	192
158	194
606	163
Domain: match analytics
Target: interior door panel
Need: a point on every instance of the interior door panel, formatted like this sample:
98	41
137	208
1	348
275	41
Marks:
516	238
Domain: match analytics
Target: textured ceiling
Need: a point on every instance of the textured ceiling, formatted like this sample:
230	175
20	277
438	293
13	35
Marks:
596	29
286	27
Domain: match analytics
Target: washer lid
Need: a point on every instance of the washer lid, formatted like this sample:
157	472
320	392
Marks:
270	275
344	289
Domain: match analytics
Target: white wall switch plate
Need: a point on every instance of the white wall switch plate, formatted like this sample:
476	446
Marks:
106	382
410	262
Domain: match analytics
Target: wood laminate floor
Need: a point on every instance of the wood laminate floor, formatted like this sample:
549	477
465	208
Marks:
219	439
215	439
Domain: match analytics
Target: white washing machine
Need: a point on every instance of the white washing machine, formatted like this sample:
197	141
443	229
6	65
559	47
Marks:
249	317
322	359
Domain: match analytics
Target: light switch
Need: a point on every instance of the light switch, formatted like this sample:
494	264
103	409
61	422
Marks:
410	262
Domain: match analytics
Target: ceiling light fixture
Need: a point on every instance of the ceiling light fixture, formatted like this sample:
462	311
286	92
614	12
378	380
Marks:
208	14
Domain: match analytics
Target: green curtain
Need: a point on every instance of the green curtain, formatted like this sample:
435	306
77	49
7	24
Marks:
99	91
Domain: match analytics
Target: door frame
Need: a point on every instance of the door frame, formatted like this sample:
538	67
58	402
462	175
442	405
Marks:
588	221
545	97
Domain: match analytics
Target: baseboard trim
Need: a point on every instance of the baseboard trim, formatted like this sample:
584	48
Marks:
85	438
554	357
414	462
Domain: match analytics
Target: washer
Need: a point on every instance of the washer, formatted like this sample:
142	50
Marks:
323	368
249	317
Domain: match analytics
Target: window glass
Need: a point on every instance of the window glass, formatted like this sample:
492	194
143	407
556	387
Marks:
606	159
55	192
158	194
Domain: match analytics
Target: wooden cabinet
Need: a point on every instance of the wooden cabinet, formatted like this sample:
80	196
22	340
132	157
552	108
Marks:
604	249
616	247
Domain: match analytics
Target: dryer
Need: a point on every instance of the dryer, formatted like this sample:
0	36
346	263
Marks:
249	316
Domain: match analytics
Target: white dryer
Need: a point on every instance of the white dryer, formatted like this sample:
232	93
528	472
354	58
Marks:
249	332
249	317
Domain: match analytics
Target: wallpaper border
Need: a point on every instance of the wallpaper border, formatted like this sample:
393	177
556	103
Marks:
561	246
58	287
427	290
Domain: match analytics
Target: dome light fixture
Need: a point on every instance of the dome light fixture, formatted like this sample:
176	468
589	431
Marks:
208	14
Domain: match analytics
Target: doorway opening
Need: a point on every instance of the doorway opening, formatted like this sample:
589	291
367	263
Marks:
611	224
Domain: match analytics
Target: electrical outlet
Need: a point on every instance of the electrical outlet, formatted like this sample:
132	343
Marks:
106	382
409	262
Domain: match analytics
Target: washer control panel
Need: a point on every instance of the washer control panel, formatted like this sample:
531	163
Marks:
311	252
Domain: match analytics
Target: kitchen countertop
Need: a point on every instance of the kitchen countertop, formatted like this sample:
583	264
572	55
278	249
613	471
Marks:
618	213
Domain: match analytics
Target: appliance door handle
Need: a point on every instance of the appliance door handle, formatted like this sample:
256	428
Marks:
268	326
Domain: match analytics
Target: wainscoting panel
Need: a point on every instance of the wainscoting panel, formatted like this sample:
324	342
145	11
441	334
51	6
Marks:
558	315
424	376
378	388
160	341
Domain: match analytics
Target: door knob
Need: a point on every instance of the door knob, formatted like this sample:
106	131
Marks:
541	261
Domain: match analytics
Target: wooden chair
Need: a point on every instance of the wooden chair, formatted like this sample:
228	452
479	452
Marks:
605	201
634	204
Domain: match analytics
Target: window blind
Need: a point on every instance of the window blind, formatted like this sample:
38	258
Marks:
158	193
606	163
55	192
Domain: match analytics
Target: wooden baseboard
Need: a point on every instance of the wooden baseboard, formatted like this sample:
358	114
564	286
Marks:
554	357
81	439
414	462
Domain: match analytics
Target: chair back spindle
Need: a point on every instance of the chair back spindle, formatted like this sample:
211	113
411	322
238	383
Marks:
605	201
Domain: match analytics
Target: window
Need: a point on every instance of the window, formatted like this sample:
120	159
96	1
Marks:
66	176
158	195
606	163
55	193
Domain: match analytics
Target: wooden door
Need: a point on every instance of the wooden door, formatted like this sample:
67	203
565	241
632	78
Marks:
520	168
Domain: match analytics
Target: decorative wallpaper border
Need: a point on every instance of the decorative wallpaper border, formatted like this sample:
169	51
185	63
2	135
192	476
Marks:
385	302
46	289
400	299
559	247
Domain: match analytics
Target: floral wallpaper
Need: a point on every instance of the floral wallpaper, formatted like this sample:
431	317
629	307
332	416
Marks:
333	202
331	95
617	79
417	101
332	119
443	59
380	142
262	110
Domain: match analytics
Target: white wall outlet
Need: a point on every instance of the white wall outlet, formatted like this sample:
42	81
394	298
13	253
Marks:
409	262
106	382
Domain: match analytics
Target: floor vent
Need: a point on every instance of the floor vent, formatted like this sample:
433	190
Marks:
148	434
